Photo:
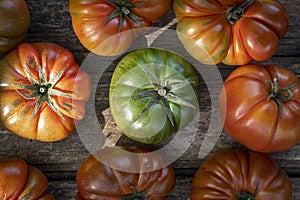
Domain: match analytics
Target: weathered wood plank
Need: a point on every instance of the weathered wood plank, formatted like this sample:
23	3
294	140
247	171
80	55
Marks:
63	190
67	155
51	22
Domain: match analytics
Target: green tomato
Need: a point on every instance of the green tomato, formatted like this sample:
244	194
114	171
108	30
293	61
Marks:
153	94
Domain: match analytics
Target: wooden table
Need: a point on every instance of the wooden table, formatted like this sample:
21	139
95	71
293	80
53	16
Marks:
51	22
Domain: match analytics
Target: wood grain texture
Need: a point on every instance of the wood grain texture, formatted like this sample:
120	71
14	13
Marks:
51	22
68	189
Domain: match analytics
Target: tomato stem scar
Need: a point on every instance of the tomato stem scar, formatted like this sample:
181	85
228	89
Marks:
248	196
124	9
280	95
40	88
137	195
236	12
162	92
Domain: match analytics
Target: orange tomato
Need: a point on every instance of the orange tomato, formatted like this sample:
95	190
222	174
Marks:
234	32
42	92
260	106
108	27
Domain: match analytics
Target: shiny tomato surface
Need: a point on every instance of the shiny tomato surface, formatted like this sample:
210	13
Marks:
153	94
108	27
124	176
240	175
234	32
260	106
14	23
42	91
21	181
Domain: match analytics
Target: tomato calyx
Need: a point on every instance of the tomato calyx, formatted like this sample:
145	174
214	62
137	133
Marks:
247	195
280	95
41	89
162	92
123	10
137	195
234	13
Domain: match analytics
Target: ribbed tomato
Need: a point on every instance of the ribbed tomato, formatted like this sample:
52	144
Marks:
21	181
260	106
240	175
14	23
136	175
42	91
108	27
234	32
153	94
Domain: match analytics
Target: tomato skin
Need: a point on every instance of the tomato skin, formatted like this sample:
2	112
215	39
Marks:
46	196
88	20
255	36
19	180
15	19
20	114
129	79
228	173
254	119
100	182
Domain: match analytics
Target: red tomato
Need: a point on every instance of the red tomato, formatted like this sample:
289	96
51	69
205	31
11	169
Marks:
42	92
234	32
260	107
97	181
14	23
240	175
108	27
21	181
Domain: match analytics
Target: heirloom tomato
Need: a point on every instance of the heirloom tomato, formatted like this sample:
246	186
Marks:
260	106
14	23
21	181
108	27
240	175
153	93
42	91
134	176
234	32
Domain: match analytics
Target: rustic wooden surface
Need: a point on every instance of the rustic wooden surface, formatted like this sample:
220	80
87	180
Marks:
51	22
